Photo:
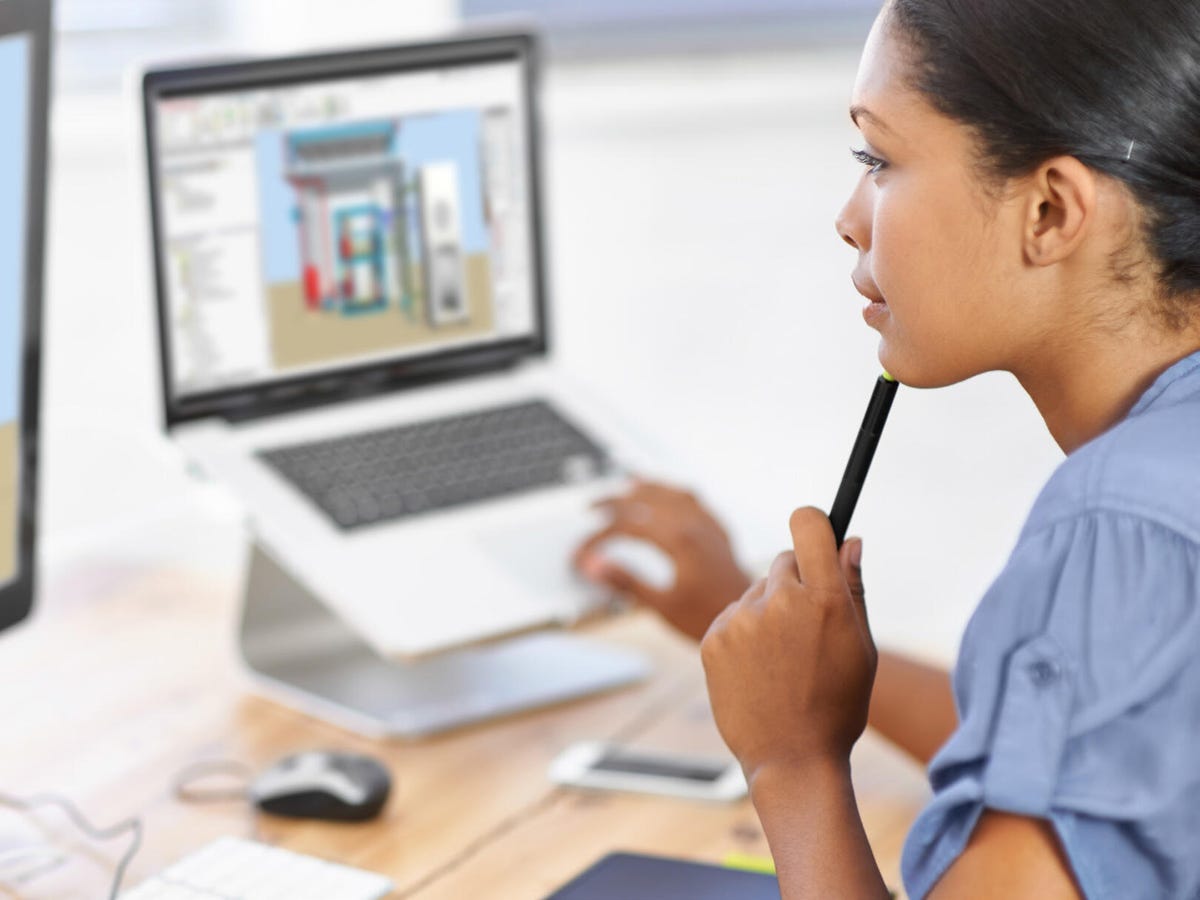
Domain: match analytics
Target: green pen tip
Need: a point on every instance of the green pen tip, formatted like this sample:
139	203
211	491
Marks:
888	377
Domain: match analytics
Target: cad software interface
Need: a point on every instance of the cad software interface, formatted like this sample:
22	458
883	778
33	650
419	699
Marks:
320	225
14	122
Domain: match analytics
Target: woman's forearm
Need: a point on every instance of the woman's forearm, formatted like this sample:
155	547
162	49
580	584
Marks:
912	705
811	821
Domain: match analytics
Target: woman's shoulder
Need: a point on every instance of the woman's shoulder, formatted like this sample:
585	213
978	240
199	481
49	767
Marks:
1146	467
1105	568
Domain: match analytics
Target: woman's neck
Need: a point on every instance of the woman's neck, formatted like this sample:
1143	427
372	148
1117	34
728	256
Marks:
1090	386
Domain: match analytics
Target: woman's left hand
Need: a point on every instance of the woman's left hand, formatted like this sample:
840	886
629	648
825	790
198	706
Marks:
790	665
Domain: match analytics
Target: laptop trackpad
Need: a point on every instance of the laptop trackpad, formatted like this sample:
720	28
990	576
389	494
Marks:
537	554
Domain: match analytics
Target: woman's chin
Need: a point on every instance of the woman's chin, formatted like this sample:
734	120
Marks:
917	372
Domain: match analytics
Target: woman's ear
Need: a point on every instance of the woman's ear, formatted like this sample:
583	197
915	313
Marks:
1060	207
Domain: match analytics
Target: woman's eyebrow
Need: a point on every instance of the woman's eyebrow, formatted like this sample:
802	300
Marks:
857	112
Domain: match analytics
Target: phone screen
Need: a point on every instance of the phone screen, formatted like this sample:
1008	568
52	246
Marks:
657	766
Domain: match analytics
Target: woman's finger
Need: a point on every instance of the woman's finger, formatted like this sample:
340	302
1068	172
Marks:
753	595
815	549
783	566
656	492
601	570
850	558
626	508
622	527
591	562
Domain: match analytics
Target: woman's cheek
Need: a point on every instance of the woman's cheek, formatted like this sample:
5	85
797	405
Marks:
887	252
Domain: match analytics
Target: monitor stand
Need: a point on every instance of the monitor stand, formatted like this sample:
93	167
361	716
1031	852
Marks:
300	652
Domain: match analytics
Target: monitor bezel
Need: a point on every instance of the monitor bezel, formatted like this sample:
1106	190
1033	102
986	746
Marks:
32	18
379	376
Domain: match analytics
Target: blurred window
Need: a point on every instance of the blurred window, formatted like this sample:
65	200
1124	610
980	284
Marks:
100	39
579	20
83	16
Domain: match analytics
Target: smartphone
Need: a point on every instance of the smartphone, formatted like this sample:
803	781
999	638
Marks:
596	764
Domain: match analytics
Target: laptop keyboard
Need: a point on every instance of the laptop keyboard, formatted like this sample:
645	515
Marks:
393	473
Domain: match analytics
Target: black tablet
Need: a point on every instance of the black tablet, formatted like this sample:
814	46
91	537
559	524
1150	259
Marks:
630	876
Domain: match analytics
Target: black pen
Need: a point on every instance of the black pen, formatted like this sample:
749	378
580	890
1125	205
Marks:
861	455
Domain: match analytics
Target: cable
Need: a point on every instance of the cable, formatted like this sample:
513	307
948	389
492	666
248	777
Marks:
185	789
132	825
184	783
39	858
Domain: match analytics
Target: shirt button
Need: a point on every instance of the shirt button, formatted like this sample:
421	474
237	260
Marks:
1043	673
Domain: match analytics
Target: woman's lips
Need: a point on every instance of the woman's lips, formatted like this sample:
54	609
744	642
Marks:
871	293
876	309
874	313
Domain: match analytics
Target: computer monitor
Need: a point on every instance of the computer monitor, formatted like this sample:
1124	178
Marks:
24	85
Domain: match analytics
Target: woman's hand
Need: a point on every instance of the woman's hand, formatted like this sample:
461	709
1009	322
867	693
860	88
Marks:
790	665
707	576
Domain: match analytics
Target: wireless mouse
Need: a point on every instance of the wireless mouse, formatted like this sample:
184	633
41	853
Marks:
323	784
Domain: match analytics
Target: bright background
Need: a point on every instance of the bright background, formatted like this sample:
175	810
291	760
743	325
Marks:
694	169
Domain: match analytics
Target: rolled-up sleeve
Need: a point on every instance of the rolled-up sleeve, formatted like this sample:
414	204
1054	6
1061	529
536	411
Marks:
1078	687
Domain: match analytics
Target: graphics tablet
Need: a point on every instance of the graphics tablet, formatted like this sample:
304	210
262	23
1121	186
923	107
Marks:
630	876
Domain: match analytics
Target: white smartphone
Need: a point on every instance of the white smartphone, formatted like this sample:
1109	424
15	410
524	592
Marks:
596	764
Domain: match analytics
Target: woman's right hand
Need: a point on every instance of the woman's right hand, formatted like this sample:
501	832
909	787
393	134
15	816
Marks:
707	575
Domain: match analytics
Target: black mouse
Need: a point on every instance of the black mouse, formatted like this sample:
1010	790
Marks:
323	784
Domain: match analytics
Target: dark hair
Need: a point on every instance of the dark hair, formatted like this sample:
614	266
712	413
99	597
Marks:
1114	83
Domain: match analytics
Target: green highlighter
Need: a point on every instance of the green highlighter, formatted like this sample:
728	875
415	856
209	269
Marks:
749	863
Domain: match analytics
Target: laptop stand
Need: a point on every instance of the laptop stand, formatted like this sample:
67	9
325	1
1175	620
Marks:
301	653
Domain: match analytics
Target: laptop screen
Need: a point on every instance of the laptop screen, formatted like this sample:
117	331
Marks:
308	225
15	116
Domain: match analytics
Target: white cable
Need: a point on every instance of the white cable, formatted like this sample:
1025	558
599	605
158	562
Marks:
34	860
132	825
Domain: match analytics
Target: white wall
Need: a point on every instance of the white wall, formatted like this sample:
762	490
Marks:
698	284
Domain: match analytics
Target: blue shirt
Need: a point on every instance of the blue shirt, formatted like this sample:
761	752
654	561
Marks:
1078	679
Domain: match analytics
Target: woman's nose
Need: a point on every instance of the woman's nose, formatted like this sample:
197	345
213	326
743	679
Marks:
853	222
843	229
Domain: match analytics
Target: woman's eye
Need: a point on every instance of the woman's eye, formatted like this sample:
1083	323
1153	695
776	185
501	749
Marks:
873	163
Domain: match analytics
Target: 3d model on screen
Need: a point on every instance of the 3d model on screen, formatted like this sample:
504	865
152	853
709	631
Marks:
353	212
373	233
445	283
350	215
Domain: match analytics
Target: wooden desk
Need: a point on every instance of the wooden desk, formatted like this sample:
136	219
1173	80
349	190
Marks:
126	678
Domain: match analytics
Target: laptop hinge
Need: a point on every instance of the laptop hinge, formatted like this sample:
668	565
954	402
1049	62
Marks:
374	384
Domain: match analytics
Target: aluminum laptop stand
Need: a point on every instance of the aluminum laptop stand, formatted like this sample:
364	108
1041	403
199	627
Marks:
300	652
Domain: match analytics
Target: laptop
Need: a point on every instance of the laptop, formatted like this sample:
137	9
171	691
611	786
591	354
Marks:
353	329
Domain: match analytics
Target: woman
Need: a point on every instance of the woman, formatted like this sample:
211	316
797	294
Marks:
1031	204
